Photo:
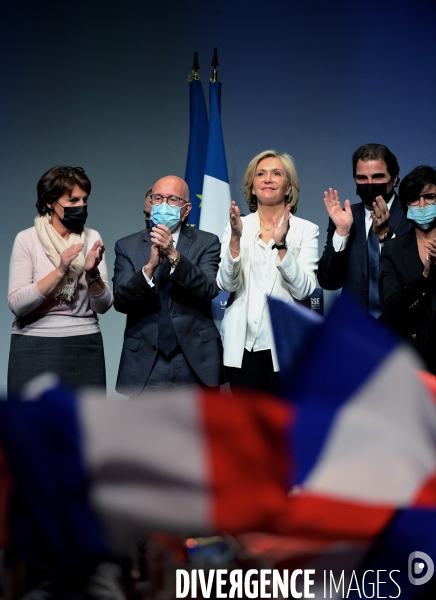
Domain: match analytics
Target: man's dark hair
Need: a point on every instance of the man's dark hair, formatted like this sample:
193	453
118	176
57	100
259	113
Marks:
377	152
414	182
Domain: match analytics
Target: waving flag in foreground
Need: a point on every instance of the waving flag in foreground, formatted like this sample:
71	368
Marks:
356	432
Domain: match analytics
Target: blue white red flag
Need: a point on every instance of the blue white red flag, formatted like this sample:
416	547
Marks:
346	460
196	160
216	189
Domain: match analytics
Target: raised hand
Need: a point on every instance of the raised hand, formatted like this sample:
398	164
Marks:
280	228
235	220
236	227
94	256
430	260
161	236
67	257
342	218
380	217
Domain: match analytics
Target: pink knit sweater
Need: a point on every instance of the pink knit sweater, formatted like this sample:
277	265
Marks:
37	315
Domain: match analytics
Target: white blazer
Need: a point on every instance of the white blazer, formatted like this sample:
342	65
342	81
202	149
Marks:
293	279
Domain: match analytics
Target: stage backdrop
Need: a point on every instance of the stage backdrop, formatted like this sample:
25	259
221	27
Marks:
103	84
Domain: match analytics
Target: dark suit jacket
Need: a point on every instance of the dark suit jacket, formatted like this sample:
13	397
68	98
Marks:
349	269
408	298
192	290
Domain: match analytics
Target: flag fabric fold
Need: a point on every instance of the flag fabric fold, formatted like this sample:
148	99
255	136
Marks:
197	148
216	189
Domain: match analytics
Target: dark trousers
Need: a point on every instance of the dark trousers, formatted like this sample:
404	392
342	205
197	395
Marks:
256	372
173	371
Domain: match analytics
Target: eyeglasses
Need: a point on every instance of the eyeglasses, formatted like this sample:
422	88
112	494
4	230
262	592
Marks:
171	200
428	199
68	172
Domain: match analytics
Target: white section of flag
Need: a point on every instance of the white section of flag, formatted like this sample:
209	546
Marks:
381	446
215	205
147	462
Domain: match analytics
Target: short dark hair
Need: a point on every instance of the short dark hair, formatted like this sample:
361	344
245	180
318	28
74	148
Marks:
414	182
377	152
58	181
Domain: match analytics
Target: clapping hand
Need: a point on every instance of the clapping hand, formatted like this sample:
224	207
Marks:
94	256
67	257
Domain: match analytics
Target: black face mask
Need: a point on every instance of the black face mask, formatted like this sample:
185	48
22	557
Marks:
74	217
369	191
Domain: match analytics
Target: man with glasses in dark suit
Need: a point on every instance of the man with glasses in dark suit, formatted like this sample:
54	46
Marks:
164	281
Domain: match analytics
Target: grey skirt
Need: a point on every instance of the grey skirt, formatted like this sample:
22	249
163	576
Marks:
78	360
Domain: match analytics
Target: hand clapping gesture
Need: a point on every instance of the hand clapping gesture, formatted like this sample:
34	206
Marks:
380	217
67	257
430	246
236	227
280	228
94	256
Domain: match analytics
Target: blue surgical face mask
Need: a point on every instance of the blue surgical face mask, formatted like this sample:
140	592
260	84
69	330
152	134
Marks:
162	214
424	216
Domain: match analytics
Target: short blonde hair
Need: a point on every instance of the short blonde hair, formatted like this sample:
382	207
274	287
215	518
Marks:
291	174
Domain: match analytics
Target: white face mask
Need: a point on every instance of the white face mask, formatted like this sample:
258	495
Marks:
423	216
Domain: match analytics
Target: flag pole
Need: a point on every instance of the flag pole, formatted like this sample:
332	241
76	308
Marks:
214	64
197	146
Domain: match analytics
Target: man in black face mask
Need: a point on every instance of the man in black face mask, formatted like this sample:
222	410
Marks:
356	233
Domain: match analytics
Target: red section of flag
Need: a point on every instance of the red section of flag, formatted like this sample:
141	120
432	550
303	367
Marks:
332	519
248	459
426	497
430	382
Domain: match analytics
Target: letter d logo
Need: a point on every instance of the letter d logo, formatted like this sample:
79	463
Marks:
416	567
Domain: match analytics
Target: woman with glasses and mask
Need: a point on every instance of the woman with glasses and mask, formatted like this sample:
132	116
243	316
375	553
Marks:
57	285
408	271
269	252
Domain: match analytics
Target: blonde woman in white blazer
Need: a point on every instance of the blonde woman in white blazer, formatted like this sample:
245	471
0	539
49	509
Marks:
270	252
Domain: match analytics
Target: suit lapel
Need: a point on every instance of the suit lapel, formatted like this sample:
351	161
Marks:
360	242
184	244
410	256
185	240
397	219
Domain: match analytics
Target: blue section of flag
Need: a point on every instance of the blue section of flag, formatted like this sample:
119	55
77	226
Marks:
198	134
51	480
350	343
294	328
410	530
216	165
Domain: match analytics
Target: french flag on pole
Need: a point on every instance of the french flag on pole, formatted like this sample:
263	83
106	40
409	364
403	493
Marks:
216	198
198	134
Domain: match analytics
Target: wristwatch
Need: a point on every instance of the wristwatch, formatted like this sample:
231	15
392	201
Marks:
283	246
175	261
90	280
388	235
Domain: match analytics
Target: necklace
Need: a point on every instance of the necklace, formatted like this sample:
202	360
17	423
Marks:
266	228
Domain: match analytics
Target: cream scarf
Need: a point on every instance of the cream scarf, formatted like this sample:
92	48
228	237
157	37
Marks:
54	245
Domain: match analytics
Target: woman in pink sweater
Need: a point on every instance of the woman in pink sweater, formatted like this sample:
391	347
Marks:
57	284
